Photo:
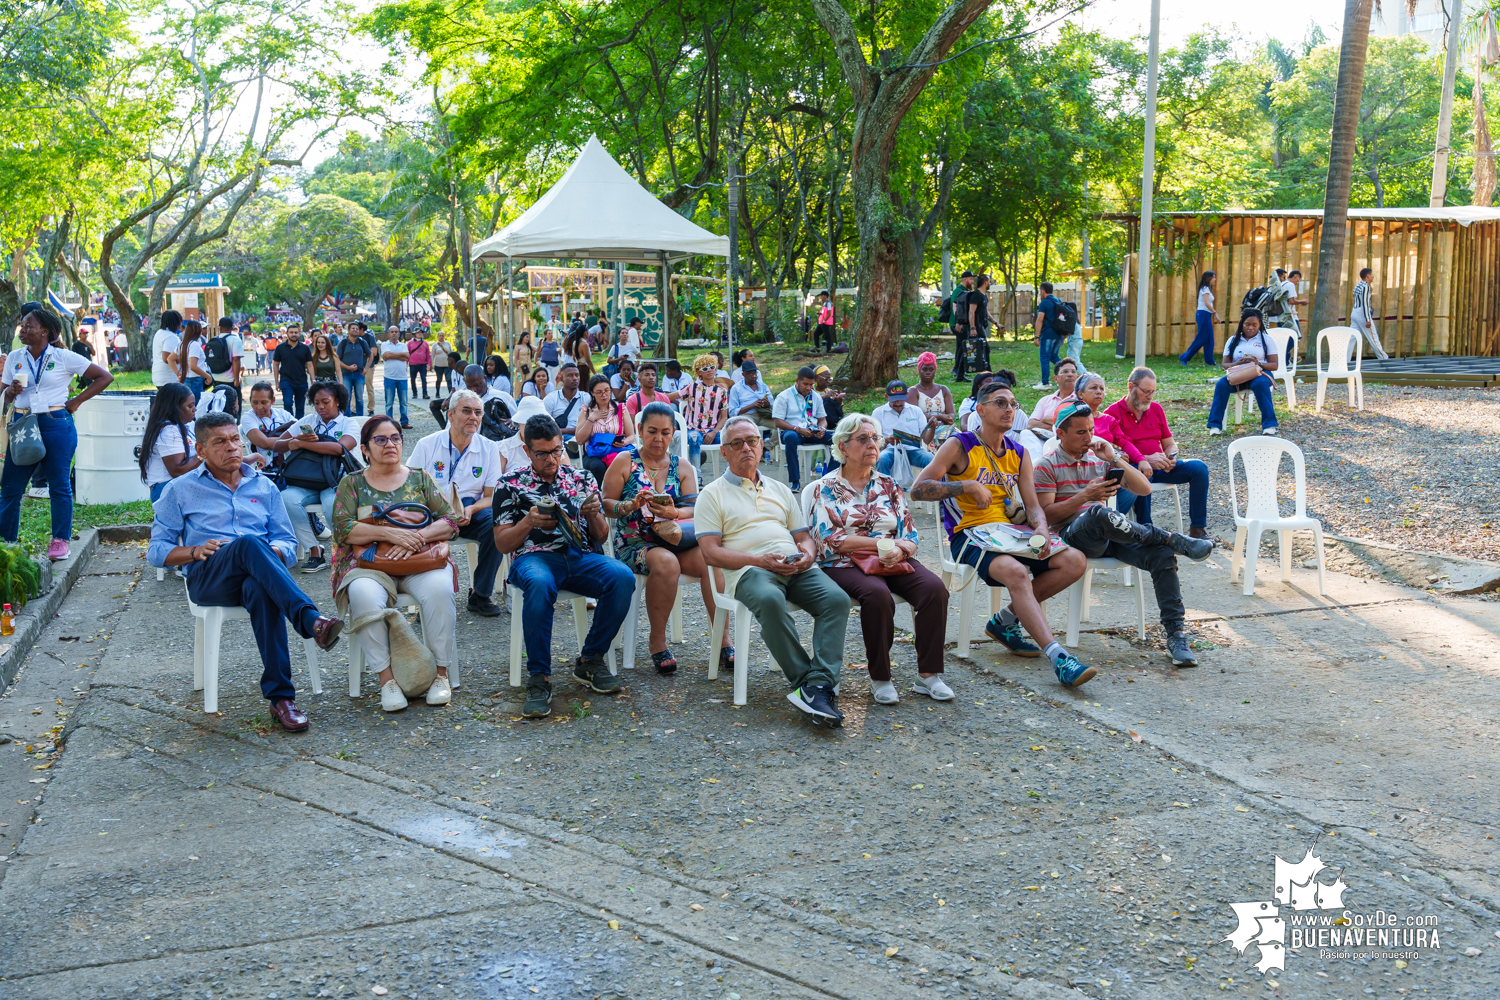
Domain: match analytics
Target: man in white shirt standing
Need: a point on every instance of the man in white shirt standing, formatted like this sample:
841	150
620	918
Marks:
122	348
801	418
164	344
466	466
393	355
904	427
1287	293
565	403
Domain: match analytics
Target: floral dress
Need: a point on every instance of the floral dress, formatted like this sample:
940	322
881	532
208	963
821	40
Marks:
632	540
839	510
355	496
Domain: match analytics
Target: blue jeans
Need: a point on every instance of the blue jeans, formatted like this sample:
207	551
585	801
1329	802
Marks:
294	396
61	439
1261	385
1075	349
194	383
156	489
295	499
1204	340
481	529
1047	354
918	457
540	575
1190	471
790	440
395	388
248	574
355	383
696	441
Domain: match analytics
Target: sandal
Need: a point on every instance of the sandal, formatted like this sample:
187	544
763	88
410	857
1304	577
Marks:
665	662
726	658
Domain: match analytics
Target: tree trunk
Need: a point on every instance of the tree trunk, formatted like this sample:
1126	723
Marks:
1352	50
1484	148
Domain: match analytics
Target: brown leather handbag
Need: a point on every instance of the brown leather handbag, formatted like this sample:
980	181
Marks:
381	556
871	564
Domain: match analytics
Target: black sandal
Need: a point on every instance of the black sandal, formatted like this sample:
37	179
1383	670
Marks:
726	658
665	662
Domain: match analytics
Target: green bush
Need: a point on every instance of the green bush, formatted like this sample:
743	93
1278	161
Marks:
20	577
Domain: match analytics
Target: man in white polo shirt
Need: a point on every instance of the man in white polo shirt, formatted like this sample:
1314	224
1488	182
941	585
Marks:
801	418
750	526
904	427
466	463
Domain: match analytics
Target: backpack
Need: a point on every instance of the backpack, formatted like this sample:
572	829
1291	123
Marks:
1264	299
216	353
945	311
497	425
1065	320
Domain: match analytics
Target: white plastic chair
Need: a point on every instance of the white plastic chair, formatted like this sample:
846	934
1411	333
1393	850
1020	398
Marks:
1284	341
518	629
1177	505
208	625
1078	598
1337	338
357	651
1262	460
969	582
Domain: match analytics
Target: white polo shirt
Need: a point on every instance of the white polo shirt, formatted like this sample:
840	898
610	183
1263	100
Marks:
910	419
47	377
469	469
163	342
276	418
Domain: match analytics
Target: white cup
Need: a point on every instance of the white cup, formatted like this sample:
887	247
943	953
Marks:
21	379
885	546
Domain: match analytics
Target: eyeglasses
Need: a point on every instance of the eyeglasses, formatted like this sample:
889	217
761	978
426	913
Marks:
1004	404
549	453
385	440
740	444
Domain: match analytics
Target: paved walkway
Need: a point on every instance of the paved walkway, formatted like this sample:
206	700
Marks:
1018	842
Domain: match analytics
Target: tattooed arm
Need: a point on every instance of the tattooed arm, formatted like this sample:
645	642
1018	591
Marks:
929	484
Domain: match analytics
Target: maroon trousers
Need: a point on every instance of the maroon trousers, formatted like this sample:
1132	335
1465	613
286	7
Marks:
877	614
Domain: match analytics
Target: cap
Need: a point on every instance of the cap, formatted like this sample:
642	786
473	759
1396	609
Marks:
821	370
895	387
748	366
926	358
806	372
966	274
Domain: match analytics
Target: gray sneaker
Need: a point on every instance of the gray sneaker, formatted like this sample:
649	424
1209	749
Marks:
538	697
1180	646
594	672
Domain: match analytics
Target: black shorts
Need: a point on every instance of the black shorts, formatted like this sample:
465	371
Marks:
980	559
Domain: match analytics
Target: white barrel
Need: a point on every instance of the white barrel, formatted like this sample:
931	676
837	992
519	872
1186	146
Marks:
110	427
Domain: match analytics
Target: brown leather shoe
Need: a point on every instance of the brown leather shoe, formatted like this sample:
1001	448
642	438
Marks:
1198	533
326	631
286	712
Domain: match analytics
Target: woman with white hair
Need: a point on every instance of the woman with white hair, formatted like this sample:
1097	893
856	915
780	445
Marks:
868	545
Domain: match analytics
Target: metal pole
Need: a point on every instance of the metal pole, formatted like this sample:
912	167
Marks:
1148	177
664	349
618	312
734	218
1445	109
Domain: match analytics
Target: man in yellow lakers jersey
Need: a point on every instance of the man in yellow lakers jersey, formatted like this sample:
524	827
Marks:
982	477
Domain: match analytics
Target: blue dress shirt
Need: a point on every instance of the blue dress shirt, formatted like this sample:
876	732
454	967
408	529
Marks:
196	507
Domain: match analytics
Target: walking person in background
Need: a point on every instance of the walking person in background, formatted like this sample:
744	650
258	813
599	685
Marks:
268	345
580	351
234	347
292	370
122	348
523	354
353	355
192	364
325	361
549	355
1046	337
978	310
824	333
960	323
419	356
37	376
166	449
1206	317
1362	316
442	374
393	357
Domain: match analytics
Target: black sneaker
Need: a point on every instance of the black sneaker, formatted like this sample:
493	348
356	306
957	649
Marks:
481	605
1180	646
314	563
538	697
820	702
593	671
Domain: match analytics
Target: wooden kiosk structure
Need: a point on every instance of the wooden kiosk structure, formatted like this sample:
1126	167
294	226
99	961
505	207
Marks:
1436	281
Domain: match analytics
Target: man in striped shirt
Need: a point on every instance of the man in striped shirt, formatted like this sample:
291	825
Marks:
1075	488
1362	316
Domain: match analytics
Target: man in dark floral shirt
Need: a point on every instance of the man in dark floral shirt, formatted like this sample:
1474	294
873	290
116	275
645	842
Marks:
552	553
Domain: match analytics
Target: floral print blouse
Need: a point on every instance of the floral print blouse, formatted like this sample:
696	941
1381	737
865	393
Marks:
355	496
839	509
701	403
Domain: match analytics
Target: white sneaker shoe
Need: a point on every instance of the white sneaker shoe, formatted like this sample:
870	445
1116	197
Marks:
391	698
1042	386
1214	432
934	688
440	693
884	692
1269	431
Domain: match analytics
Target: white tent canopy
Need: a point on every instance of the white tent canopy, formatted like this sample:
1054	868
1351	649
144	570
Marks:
597	211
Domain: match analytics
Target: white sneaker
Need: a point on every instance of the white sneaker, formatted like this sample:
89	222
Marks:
1269	431
884	692
391	698
1042	385
1214	432
934	688
440	693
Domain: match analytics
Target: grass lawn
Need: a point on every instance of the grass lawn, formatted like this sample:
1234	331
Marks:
36	519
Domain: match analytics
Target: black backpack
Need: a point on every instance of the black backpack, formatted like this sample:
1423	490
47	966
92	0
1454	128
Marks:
945	311
1065	319
216	353
497	425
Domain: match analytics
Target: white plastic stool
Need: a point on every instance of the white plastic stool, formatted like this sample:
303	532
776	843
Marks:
208	623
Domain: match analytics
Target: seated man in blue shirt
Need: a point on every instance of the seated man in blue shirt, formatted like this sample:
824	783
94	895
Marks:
226	523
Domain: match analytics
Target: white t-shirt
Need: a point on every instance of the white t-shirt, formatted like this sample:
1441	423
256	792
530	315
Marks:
910	419
499	382
666	383
168	442
393	369
1290	287
557	404
47	377
163	342
1252	347
337	427
236	350
276	418
1206	299
470	469
195	353
252	344
121	341
625	350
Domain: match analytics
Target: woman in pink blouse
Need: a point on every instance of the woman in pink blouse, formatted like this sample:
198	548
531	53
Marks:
854	510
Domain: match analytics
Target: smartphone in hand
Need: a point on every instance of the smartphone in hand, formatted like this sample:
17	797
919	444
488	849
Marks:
1114	475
